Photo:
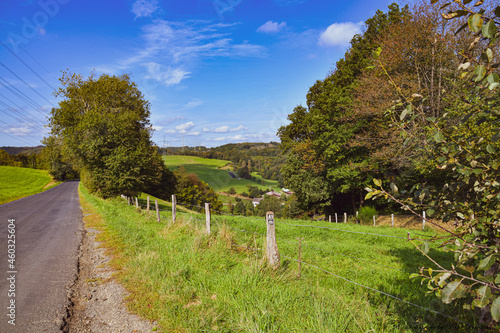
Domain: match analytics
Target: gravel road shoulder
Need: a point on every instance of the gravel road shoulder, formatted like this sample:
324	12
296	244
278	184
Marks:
98	300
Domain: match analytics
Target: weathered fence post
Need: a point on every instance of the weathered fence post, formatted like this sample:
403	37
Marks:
273	256
148	206
423	221
174	211
357	219
345	217
392	220
373	220
157	211
336	219
128	200
300	259
330	218
136	202
207	216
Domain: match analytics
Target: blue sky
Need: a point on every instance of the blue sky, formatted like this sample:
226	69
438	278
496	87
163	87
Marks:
214	71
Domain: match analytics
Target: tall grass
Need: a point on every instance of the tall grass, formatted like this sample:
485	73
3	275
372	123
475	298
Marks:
16	183
192	282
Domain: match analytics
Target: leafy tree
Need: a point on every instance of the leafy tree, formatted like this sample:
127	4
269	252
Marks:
231	191
462	147
322	164
194	192
5	158
104	129
269	203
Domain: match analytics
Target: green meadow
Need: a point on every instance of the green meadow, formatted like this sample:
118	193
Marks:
209	171
18	182
188	281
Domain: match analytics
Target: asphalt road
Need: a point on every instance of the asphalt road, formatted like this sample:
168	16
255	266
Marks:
47	233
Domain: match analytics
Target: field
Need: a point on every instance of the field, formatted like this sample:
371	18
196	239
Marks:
17	182
189	281
209	171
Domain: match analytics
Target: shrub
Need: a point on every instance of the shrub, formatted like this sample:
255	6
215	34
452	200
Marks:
366	214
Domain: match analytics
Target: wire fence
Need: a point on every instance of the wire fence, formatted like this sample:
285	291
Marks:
215	220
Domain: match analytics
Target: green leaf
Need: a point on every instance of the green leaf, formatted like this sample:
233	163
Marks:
406	111
487	55
495	309
376	53
369	195
486	263
489	29
480	72
429	212
394	188
425	248
490	149
452	291
497	11
377	182
475	22
439	136
484	295
493	78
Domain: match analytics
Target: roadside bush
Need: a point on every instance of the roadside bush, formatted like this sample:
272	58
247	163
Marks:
366	214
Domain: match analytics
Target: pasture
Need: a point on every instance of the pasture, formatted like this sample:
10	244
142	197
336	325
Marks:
187	280
210	171
18	182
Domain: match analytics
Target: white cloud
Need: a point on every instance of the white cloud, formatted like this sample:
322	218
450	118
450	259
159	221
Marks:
206	129
222	129
144	8
21	131
183	128
193	104
271	27
239	128
193	133
157	128
170	131
169	77
340	34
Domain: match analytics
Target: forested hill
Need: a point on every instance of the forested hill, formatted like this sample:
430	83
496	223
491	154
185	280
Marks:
264	158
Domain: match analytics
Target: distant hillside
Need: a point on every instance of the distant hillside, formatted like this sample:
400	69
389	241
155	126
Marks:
264	158
18	150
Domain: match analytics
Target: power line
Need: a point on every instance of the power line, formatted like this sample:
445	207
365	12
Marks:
27	85
31	69
22	96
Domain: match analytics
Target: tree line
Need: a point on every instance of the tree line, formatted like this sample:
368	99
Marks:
409	117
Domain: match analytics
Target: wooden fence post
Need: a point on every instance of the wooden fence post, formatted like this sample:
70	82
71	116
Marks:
357	219
157	211
345	217
136	202
273	256
128	200
392	220
207	217
148	206
174	211
300	259
373	220
336	219
423	221
330	218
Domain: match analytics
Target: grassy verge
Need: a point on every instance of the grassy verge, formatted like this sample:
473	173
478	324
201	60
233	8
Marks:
18	183
190	282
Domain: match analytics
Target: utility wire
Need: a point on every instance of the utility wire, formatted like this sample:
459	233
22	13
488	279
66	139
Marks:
22	96
29	67
27	85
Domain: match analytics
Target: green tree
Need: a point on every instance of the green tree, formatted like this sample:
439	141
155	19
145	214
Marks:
104	129
194	192
270	204
5	158
321	163
462	147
